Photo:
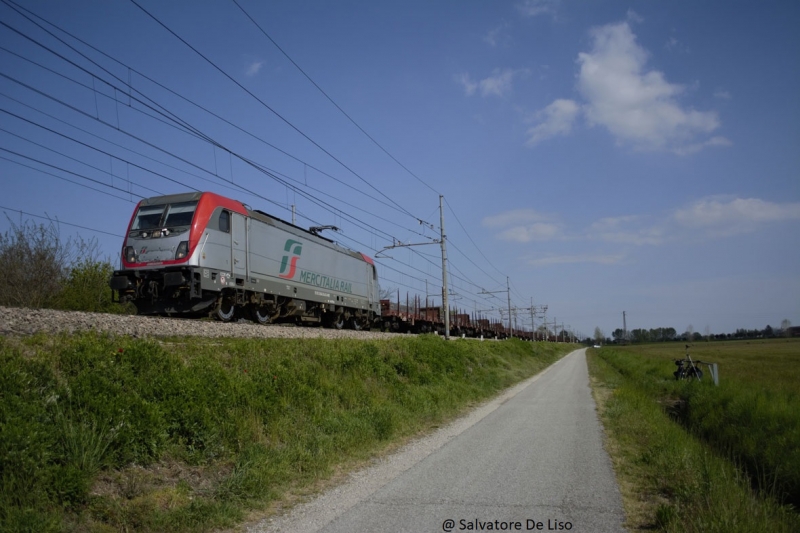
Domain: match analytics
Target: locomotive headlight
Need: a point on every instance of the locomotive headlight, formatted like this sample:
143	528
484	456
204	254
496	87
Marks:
130	254
183	249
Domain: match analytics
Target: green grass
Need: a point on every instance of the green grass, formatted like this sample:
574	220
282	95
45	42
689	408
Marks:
753	416
770	363
705	458
99	433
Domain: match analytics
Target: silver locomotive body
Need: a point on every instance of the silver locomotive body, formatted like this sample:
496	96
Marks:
201	254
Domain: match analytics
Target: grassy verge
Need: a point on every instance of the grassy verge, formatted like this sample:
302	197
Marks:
99	433
673	479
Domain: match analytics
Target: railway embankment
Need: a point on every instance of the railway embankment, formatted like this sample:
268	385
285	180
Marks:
119	423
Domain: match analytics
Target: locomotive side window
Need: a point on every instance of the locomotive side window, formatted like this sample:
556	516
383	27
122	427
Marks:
148	217
180	214
225	221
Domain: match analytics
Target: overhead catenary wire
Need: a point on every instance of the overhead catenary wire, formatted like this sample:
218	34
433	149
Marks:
184	125
172	116
19	8
336	210
267	106
60	221
303	72
70	181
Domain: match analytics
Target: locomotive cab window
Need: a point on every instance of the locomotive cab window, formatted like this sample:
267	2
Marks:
164	216
179	214
225	221
148	217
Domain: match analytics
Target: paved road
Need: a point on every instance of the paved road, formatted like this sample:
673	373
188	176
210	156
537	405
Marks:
532	461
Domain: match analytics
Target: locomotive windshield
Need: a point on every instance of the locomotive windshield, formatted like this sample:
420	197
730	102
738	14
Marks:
164	216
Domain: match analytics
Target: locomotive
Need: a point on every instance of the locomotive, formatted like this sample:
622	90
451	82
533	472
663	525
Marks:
202	254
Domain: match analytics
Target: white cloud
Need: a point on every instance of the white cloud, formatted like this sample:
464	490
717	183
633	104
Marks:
496	35
555	119
254	67
696	147
722	94
613	223
626	230
539	231
498	84
633	16
469	86
637	106
571	259
516	216
523	225
724	216
532	8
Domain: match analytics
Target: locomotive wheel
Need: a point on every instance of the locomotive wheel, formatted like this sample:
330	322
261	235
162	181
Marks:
226	310
334	321
261	315
355	324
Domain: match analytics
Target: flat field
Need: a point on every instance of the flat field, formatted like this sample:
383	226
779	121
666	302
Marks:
770	363
699	457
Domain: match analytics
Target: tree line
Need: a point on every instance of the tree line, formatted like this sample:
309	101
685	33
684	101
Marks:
641	335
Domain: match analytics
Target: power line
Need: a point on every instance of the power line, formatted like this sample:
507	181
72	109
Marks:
189	129
331	99
268	107
60	221
70	181
184	125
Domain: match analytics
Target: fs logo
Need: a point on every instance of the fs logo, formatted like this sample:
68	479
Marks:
289	262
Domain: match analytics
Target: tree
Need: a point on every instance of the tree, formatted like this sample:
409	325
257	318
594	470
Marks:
388	293
34	262
599	336
40	269
785	325
640	335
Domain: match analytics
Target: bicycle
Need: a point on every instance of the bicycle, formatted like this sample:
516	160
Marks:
688	369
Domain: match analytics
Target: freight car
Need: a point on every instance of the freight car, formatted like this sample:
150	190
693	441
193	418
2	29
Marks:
414	317
197	254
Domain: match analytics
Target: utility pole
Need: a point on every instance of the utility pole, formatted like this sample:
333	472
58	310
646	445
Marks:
624	329
545	323
444	272
508	291
396	244
533	323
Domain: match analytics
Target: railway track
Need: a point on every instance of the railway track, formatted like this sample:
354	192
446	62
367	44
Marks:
16	321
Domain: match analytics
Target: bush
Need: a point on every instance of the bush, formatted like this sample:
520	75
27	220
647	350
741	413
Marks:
86	288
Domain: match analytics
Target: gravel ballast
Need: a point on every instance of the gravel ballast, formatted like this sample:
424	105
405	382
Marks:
22	321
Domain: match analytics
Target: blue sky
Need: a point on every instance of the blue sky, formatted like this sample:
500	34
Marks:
605	156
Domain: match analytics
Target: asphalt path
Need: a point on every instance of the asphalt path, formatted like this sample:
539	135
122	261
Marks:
531	460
